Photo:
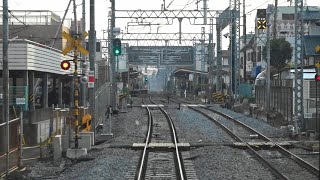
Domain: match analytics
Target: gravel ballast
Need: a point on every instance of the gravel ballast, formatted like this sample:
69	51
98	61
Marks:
211	162
220	162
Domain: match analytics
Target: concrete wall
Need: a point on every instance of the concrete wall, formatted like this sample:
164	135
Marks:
41	129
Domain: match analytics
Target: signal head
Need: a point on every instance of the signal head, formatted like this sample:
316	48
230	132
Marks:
84	79
116	46
65	65
317	77
84	64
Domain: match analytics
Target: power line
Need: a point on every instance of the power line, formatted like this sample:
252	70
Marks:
169	4
257	7
188	3
16	17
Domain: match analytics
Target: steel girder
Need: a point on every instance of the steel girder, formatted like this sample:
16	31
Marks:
298	61
159	39
167	14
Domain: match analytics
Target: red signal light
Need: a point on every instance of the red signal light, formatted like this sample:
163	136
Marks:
317	77
65	65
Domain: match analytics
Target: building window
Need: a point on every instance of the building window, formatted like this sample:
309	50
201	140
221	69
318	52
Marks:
287	16
313	89
253	57
241	63
259	54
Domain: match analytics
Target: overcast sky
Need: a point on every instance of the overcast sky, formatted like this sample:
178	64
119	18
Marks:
103	6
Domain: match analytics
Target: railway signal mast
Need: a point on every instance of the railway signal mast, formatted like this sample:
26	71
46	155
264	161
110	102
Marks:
75	45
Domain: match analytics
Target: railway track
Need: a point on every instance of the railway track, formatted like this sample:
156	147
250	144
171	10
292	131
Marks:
281	162
160	158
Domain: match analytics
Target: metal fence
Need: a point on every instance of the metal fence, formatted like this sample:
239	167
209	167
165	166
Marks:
281	99
16	93
9	156
102	92
311	115
102	100
21	152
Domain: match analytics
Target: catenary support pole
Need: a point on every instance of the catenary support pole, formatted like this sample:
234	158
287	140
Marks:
244	42
83	86
205	7
269	11
112	57
5	77
92	55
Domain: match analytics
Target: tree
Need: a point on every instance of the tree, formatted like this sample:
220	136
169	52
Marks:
280	53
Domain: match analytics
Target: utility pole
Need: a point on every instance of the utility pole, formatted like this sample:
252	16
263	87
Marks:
219	59
269	11
92	55
112	57
203	59
274	28
83	29
244	42
76	82
205	7
5	77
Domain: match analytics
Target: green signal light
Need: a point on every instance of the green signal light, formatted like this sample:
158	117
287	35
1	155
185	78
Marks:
116	46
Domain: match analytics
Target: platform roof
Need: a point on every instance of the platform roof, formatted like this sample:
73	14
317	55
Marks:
184	72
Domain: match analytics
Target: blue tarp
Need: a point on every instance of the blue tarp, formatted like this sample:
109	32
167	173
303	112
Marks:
255	71
310	42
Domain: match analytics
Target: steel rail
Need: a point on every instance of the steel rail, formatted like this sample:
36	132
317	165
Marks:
148	138
175	141
292	156
305	164
237	138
